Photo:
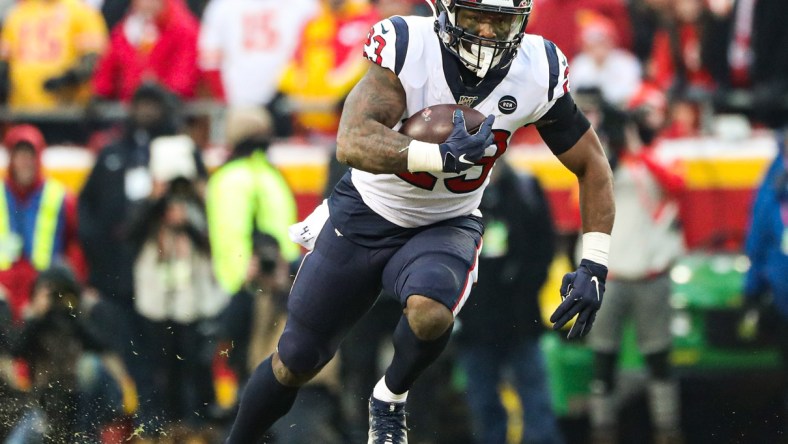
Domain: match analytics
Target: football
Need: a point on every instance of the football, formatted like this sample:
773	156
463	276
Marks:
433	124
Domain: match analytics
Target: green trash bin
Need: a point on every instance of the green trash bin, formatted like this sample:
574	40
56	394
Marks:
569	373
707	302
706	298
570	368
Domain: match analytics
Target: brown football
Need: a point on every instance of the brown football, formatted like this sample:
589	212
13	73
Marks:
433	124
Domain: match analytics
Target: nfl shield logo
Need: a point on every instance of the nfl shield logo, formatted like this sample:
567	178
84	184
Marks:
467	100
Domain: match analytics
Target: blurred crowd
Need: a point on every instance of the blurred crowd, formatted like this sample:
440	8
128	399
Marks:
126	307
61	61
72	66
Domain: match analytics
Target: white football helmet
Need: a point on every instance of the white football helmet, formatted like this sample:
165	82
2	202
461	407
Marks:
460	34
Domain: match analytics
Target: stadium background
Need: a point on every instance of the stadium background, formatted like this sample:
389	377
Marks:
729	387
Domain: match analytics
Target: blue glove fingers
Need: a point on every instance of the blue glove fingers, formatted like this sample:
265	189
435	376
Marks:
566	311
488	139
573	331
589	324
566	282
484	134
486	126
581	326
459	122
565	305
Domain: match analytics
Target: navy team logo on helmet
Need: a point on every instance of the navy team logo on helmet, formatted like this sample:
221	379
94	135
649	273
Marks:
483	34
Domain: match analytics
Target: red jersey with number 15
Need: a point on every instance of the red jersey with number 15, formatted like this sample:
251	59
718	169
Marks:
250	43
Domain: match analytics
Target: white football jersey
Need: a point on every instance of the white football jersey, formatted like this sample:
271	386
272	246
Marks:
517	96
251	42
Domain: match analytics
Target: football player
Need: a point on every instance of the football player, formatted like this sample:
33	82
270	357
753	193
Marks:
405	220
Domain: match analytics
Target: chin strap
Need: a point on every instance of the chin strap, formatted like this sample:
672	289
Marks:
485	56
486	60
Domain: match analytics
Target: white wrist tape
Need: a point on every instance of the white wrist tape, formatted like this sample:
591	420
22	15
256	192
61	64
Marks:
423	156
596	247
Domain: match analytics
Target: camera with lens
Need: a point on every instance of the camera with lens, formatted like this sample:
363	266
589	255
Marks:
266	248
63	290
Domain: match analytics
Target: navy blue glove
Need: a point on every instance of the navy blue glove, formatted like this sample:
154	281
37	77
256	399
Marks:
461	150
581	291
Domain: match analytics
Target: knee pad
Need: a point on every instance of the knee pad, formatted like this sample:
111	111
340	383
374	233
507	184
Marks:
439	276
303	350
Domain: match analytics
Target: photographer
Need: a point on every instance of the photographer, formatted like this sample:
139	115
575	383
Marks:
77	386
13	403
255	307
249	327
175	292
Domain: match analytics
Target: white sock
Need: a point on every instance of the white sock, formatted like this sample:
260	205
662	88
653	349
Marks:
383	393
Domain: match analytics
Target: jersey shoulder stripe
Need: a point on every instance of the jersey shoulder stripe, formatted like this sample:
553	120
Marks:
396	42
549	67
552	61
401	45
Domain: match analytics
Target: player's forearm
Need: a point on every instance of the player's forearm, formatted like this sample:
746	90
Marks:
597	204
365	139
371	146
586	159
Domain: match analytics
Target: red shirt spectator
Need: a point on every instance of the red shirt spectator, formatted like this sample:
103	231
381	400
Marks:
676	54
663	68
326	64
157	41
560	20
